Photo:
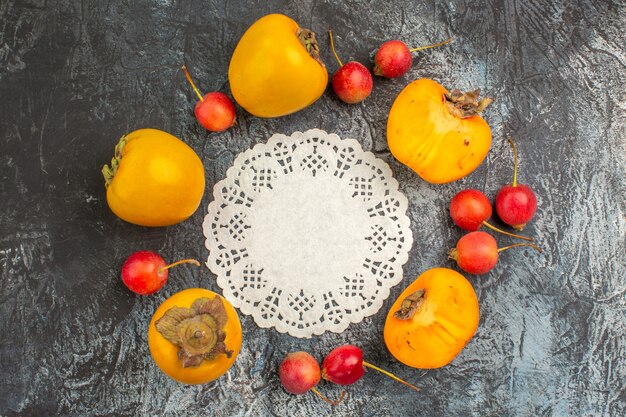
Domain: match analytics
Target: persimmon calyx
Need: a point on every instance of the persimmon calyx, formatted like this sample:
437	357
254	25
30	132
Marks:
309	41
197	331
108	172
410	305
467	104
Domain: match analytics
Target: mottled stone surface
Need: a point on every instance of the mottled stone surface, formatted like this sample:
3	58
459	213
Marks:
75	75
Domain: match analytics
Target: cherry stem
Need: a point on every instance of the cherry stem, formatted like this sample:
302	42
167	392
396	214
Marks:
492	227
390	375
332	46
183	261
329	401
519	244
514	162
192	83
421	48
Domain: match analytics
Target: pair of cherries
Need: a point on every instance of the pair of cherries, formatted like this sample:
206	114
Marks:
516	204
353	82
299	372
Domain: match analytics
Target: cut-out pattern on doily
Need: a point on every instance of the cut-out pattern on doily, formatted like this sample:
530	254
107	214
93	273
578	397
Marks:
307	233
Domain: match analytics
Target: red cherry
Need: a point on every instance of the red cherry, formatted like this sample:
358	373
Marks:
215	111
477	252
145	272
299	372
353	81
469	209
516	204
393	59
344	365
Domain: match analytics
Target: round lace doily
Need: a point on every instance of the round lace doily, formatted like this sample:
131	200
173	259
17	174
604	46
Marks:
307	233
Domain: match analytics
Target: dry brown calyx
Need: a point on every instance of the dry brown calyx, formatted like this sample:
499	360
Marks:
466	105
309	41
410	305
197	331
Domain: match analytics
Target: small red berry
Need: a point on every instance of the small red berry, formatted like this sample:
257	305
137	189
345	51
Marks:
299	372
516	204
215	111
145	272
469	209
353	81
393	59
344	365
476	253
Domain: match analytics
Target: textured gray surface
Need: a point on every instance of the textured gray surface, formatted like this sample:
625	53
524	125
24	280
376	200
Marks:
75	75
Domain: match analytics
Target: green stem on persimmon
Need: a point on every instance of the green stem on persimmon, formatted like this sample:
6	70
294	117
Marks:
108	172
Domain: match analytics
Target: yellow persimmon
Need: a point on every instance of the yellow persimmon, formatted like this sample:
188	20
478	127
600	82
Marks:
154	179
195	336
275	69
438	134
432	320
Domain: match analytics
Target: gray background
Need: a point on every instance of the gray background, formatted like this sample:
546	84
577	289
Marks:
76	75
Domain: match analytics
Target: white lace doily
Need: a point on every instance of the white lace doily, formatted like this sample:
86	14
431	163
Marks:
307	233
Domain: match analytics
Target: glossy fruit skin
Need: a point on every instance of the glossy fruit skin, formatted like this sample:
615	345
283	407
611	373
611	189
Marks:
271	74
392	60
353	82
216	112
165	353
424	135
516	205
159	181
477	253
299	372
343	365
140	272
441	327
469	209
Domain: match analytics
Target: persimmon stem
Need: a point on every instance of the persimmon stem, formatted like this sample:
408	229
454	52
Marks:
514	162
327	400
183	261
332	46
520	244
390	375
421	48
192	83
492	227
